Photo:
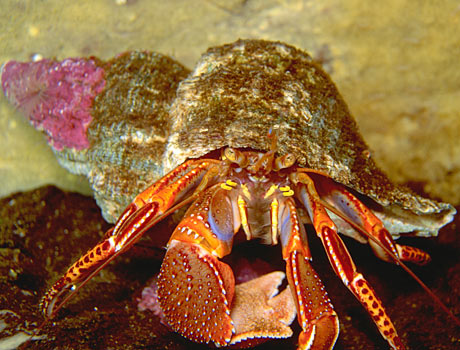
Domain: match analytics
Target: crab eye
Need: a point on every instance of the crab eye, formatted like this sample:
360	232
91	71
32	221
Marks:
285	161
230	154
236	156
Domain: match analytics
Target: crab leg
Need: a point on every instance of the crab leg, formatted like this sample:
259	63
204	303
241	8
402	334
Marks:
359	214
343	264
146	210
315	313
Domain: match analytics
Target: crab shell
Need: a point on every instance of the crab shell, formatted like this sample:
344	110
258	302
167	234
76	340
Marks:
238	92
150	118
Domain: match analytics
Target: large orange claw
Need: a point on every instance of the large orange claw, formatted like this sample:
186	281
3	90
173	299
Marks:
200	301
195	292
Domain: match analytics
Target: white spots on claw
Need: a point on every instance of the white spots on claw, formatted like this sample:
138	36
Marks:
298	292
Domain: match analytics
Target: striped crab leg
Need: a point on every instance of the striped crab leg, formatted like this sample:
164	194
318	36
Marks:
146	210
342	262
353	209
315	313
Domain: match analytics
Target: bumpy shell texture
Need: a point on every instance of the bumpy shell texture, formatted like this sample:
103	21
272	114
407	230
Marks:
239	91
129	130
153	114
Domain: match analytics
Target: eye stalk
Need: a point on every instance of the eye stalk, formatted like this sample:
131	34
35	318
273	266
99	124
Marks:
237	157
284	162
230	154
260	162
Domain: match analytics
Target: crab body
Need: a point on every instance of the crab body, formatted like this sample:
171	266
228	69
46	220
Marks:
290	154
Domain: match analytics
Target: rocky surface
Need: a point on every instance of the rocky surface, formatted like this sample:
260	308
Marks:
43	231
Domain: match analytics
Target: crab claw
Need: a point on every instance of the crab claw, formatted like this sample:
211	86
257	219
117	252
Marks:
199	299
195	291
260	313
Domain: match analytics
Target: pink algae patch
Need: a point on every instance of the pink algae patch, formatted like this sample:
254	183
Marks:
55	96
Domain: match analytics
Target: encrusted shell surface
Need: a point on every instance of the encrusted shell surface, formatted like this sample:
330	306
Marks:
239	91
153	114
129	130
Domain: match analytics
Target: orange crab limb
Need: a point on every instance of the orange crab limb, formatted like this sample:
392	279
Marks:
315	313
342	262
168	190
358	213
145	211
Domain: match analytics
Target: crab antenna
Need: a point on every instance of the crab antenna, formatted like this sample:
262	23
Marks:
266	161
396	259
273	134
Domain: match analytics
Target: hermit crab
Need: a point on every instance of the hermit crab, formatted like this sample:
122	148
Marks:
256	141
